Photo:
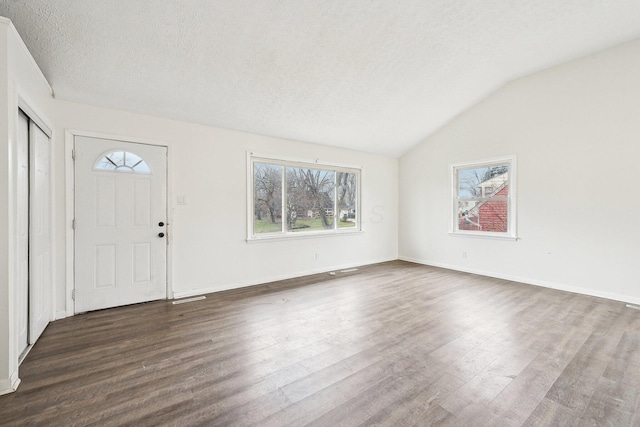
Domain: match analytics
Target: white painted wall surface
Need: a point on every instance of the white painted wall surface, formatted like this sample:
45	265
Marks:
208	166
576	131
208	235
19	78
7	363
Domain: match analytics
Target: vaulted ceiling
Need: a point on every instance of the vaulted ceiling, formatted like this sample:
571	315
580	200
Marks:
372	75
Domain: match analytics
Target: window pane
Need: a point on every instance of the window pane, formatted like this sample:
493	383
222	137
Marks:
492	216
347	197
134	162
489	215
267	198
290	198
474	183
467	215
122	161
106	162
310	199
482	199
117	157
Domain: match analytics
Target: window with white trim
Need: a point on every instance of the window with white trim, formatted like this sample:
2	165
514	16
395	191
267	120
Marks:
290	198
483	198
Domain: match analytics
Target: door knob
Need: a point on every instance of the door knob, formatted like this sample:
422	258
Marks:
161	224
160	234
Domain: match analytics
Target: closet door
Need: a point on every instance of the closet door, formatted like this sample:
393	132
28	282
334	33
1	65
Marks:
40	276
22	249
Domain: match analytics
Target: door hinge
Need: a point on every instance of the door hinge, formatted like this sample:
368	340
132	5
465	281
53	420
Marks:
73	224
73	154
73	294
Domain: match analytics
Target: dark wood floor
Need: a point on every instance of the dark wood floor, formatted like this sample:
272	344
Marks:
393	344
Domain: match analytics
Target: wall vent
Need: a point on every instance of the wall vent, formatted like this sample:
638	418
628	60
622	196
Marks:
192	299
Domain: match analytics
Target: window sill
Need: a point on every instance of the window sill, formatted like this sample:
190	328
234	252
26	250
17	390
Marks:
307	235
485	236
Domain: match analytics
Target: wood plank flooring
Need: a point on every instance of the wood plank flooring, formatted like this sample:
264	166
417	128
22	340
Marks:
393	344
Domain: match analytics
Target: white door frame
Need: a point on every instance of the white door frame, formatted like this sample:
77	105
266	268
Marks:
69	139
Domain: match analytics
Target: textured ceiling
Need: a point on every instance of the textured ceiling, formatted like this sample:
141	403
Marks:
371	75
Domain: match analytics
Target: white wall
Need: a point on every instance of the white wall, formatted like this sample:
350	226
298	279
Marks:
7	364
19	79
576	132
208	166
208	235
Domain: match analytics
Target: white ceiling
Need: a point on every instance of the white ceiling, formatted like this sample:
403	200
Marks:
371	75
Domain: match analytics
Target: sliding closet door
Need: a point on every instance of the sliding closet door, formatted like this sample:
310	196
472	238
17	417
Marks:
22	223
40	274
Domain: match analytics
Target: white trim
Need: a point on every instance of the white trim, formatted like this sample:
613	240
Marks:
249	215
529	281
302	161
9	385
486	235
169	225
512	229
303	235
24	354
484	162
70	135
265	280
69	167
25	105
117	137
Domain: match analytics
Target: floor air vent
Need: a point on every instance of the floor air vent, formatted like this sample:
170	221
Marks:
182	301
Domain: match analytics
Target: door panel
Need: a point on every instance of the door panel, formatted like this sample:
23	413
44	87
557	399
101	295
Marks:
105	266
105	196
120	199
142	203
40	277
22	280
141	263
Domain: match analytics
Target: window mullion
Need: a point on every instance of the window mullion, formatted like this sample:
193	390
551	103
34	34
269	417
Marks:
283	211
335	200
252	214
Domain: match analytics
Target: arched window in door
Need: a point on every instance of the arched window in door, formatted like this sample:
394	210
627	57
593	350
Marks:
122	161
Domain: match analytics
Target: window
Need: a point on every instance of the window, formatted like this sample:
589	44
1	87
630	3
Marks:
483	198
122	161
296	197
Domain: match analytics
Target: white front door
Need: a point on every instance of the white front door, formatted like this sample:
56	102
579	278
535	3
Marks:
120	223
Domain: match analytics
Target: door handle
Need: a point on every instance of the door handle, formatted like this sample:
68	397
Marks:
160	234
161	224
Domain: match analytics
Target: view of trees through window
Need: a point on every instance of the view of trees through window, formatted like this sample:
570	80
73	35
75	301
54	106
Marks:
293	199
483	198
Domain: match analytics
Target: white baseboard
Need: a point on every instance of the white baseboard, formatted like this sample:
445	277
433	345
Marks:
236	285
9	385
529	281
60	315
